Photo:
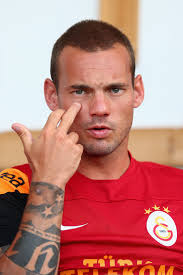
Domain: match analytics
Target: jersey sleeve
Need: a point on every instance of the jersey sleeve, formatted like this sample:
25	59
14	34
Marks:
14	190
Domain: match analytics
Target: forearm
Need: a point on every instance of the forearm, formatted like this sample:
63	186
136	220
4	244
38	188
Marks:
36	247
53	157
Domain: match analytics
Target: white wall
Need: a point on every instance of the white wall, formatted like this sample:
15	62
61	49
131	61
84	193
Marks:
28	30
161	63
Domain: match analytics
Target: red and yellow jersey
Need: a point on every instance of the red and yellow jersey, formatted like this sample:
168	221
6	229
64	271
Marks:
132	225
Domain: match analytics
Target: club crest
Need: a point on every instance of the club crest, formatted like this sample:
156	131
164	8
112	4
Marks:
161	226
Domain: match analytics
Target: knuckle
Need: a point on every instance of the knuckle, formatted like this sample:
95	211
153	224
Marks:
60	136
59	112
65	118
74	135
22	134
45	133
79	148
71	141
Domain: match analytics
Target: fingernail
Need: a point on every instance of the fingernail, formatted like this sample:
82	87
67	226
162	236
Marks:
16	128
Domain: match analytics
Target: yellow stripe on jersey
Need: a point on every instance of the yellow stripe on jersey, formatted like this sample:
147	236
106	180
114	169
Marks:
13	179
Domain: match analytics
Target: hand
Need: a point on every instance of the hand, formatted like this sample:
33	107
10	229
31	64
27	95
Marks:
55	155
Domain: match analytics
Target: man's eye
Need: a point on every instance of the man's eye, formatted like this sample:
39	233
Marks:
79	92
116	90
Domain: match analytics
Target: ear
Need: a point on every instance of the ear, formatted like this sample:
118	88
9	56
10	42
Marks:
50	94
138	91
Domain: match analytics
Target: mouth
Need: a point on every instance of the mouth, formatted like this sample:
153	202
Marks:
99	131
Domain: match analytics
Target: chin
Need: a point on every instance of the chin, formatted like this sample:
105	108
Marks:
99	149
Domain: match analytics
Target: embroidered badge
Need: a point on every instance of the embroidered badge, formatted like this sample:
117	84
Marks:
161	226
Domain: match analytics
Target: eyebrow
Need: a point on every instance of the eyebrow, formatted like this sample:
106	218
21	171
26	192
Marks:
109	86
80	86
118	85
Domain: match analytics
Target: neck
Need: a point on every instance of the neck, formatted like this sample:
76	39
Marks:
108	167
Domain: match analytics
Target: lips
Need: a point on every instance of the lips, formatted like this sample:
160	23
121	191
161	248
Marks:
99	131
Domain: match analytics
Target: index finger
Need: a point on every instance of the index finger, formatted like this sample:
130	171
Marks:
69	117
54	119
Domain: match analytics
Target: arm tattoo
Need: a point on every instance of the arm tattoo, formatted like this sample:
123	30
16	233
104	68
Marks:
3	250
36	246
52	199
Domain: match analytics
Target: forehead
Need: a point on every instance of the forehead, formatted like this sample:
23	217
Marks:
74	62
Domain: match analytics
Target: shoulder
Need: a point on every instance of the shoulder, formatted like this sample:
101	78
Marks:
159	168
14	190
25	169
160	180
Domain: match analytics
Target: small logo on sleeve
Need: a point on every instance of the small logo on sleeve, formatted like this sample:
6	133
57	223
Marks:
161	226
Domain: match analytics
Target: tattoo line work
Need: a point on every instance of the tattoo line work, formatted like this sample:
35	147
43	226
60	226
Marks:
36	247
52	198
3	250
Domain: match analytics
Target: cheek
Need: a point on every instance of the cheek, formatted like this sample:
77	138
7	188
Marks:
66	100
64	103
79	121
123	108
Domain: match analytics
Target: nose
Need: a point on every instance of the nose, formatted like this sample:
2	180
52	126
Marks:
99	105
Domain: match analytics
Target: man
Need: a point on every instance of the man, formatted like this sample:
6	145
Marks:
120	216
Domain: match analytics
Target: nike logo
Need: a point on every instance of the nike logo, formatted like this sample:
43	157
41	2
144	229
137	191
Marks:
70	227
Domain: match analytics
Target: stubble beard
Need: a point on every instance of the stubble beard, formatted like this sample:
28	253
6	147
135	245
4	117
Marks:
103	147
